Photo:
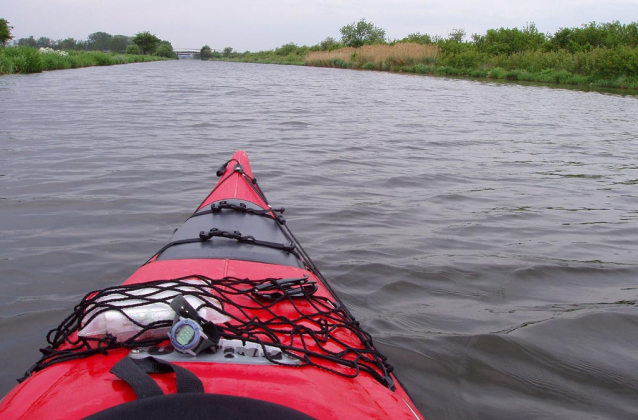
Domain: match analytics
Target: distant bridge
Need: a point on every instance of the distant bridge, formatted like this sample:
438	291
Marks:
190	52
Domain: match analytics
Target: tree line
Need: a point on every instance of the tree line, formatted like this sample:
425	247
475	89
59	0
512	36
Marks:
502	41
142	43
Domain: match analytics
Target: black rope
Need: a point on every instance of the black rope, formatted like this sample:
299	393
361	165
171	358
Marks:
317	331
252	182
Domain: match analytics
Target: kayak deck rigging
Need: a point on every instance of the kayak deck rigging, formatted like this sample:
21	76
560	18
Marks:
290	315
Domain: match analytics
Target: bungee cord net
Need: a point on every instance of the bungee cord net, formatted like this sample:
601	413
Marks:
285	314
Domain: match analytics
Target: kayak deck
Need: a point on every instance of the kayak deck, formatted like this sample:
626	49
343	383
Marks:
236	243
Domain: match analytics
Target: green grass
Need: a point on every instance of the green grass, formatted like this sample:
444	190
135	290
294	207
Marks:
30	60
615	67
549	76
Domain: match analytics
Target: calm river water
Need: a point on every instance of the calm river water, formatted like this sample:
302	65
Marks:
486	234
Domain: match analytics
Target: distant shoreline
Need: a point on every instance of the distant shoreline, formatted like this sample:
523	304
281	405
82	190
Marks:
426	60
595	54
26	60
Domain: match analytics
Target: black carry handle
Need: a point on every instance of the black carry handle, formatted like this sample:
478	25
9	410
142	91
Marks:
135	373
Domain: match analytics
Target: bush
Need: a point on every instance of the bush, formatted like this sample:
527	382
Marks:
133	49
287	49
478	73
497	73
165	50
340	63
464	59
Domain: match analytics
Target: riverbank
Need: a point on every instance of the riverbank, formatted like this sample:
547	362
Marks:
594	54
599	67
30	60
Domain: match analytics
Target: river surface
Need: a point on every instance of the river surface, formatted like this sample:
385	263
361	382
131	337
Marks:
486	234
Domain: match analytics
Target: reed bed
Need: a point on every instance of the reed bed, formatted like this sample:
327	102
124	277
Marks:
375	57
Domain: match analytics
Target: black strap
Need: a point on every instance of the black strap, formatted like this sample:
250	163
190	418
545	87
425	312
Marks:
135	373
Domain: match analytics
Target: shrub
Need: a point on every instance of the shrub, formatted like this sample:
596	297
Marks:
340	63
497	73
133	49
478	73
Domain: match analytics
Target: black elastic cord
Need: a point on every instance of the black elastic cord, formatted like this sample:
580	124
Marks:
242	208
236	235
251	181
135	373
205	236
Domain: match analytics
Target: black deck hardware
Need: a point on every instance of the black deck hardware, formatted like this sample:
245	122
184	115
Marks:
292	287
214	232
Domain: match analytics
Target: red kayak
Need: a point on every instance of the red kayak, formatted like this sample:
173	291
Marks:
229	320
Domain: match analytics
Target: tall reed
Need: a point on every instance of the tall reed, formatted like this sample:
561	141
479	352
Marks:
379	57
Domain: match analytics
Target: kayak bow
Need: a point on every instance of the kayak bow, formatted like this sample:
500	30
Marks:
230	319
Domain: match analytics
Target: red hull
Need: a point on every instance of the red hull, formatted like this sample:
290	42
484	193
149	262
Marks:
79	388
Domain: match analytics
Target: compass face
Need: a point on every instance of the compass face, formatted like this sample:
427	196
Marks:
184	334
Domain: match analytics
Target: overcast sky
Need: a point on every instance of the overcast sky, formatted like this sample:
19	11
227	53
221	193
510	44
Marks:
253	25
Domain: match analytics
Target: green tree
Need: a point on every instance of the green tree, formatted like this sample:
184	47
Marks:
5	32
43	42
286	49
505	41
228	51
593	35
100	41
119	43
359	33
146	41
68	44
133	49
457	35
27	42
418	38
329	44
165	49
205	53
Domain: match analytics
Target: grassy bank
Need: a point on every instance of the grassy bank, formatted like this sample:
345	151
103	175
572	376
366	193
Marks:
604	67
290	54
30	60
594	54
